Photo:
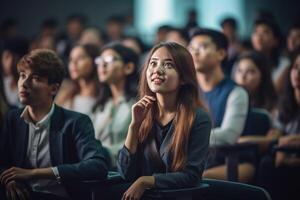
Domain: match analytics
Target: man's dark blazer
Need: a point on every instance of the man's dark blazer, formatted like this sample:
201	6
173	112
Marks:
73	148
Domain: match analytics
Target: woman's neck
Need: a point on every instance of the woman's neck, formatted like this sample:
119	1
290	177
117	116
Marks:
87	88
167	106
297	95
117	90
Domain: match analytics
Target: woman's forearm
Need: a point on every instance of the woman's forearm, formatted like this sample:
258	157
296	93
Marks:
131	141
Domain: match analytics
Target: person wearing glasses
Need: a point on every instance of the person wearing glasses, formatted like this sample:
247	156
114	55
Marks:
80	93
117	73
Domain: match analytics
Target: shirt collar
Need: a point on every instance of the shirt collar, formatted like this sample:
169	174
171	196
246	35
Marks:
43	122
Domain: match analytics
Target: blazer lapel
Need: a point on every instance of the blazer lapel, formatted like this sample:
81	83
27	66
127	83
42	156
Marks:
164	148
56	136
22	143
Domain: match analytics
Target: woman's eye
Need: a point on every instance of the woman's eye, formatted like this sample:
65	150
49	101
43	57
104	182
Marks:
22	76
36	78
169	65
152	63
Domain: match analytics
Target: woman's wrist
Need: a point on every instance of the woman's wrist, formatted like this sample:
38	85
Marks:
147	181
134	127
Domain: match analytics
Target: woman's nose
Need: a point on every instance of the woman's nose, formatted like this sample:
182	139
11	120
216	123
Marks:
160	69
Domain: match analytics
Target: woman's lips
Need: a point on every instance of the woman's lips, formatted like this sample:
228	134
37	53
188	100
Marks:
23	93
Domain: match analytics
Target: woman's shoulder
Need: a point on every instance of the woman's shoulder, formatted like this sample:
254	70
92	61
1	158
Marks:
202	118
202	124
201	113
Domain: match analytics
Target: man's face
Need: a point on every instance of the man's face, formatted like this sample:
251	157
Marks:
35	90
293	40
205	53
263	39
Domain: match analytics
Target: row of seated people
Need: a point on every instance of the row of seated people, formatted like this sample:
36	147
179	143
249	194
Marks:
266	38
226	101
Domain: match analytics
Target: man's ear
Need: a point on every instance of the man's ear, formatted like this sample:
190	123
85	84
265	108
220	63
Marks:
222	53
54	89
129	68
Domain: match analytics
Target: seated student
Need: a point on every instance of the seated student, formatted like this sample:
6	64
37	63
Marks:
13	49
230	27
226	101
168	138
43	147
117	72
292	44
81	92
266	39
178	35
251	71
280	173
3	103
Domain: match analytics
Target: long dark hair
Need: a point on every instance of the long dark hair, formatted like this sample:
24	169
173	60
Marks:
265	96
288	107
128	56
3	102
187	102
92	52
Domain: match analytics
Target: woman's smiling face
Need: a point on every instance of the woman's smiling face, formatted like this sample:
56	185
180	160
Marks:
162	76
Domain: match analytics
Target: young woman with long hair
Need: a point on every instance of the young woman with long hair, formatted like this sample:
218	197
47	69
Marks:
80	94
117	72
279	172
252	71
168	137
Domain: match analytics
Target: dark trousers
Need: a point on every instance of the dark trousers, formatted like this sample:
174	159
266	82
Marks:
33	196
280	182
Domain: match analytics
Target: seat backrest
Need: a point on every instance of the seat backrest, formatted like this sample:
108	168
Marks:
225	190
190	193
258	122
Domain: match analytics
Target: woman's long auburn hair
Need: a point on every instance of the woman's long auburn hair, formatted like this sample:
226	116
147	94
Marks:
187	102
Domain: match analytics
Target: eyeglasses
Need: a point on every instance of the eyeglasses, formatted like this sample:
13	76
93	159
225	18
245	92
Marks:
102	60
198	48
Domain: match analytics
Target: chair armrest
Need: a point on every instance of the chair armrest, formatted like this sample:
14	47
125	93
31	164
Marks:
112	178
287	149
97	188
227	190
186	193
227	149
231	153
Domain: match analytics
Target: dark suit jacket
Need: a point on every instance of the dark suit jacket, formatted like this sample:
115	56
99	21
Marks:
73	148
144	162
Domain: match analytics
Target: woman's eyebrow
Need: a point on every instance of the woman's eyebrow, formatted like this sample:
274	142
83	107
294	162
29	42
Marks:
167	59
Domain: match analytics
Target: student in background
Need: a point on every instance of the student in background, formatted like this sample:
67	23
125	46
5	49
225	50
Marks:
80	93
117	73
252	71
227	102
280	172
13	49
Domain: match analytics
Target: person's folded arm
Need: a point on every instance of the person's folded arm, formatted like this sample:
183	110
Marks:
127	164
92	164
234	119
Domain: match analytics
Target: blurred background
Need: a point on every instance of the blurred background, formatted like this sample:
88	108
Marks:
143	17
